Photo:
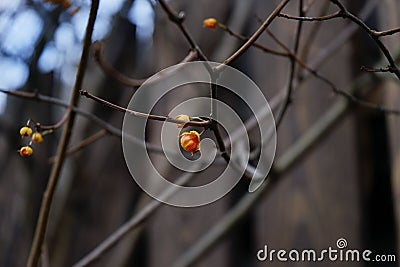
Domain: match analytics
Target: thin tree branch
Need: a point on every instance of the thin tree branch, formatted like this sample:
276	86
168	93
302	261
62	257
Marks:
145	115
178	19
82	144
292	156
344	13
292	76
244	38
386	33
109	70
41	226
309	40
101	123
385	69
301	18
131	224
334	88
118	76
255	36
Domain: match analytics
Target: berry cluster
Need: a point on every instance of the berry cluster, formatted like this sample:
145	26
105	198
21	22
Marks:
35	137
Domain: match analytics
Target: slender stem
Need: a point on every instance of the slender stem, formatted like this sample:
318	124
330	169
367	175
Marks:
375	35
292	75
385	69
40	230
144	115
90	116
321	18
58	124
244	38
387	32
347	14
355	99
255	36
109	70
84	143
178	19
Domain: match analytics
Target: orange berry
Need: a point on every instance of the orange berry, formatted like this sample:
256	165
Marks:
182	117
190	141
210	23
25	131
37	138
26	151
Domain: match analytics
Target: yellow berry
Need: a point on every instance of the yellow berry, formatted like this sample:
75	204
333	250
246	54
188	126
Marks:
37	138
25	131
182	117
210	23
190	141
26	151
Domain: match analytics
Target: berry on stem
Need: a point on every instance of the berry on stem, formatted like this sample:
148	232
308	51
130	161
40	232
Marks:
25	151
190	141
37	138
25	131
210	23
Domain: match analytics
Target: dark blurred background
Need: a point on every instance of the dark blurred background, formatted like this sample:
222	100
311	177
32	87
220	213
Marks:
348	186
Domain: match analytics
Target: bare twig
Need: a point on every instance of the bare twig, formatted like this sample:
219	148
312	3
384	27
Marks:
387	32
118	76
244	38
347	14
385	69
40	230
144	115
84	143
255	36
109	70
301	18
344	13
337	41
309	40
335	89
178	19
292	76
101	123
